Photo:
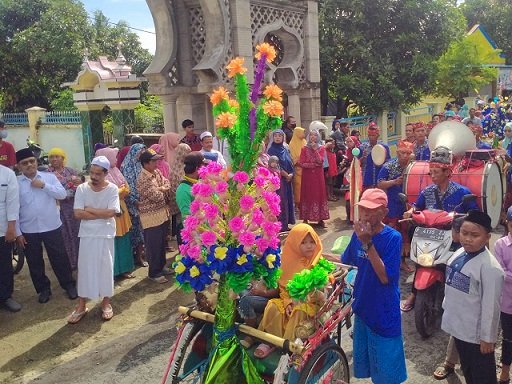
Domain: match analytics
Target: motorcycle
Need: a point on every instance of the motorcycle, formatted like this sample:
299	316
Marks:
41	156
431	248
18	259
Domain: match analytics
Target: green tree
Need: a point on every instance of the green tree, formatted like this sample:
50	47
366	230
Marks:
381	53
42	44
461	70
494	16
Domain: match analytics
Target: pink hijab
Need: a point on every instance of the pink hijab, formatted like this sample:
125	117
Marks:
169	141
162	164
114	175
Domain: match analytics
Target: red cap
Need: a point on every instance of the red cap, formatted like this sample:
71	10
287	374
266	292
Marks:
373	198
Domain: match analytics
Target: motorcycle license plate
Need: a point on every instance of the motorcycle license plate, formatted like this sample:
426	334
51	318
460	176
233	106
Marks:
430	233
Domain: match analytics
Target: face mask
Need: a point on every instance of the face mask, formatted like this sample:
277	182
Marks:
3	134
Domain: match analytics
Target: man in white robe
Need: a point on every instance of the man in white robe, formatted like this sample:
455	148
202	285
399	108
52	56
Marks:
96	204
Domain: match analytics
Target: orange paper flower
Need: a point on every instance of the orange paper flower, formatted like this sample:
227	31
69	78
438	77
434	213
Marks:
236	66
218	95
272	91
266	49
233	103
273	108
225	120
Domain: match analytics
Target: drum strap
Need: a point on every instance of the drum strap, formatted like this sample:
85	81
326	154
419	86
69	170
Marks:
439	201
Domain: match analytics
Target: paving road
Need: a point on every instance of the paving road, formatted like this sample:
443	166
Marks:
38	346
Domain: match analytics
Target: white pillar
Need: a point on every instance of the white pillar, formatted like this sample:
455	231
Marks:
171	123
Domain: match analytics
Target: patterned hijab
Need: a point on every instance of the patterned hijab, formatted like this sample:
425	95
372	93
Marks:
131	167
178	170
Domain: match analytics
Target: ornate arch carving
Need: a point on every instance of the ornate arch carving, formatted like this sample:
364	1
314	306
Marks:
293	53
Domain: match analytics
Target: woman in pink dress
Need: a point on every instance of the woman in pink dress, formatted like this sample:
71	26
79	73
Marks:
313	201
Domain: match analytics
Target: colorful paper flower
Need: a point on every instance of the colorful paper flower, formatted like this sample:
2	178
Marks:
236	224
225	120
246	202
273	108
272	91
267	50
241	177
236	67
218	95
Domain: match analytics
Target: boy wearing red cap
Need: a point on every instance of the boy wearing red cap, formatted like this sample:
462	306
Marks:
375	249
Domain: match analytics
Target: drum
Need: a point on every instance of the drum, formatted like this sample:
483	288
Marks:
485	182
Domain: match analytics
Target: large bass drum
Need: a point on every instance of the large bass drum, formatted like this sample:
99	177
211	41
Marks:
484	181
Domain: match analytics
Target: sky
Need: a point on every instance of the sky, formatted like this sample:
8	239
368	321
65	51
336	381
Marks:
135	12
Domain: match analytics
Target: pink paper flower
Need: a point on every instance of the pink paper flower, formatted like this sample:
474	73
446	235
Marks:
241	177
236	224
191	222
257	216
183	249
194	206
263	172
247	238
246	202
195	252
262	244
212	168
186	234
276	181
260	181
221	187
208	238
211	211
203	190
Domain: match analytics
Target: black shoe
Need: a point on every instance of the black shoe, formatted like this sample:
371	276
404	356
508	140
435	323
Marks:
72	293
12	305
44	296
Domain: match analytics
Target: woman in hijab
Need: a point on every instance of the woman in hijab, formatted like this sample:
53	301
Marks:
131	169
277	148
175	177
297	142
123	254
162	165
169	142
69	179
301	251
313	201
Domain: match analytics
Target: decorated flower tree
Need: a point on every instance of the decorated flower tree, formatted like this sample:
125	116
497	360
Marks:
231	236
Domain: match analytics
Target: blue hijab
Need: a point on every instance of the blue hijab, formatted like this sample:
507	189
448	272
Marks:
281	151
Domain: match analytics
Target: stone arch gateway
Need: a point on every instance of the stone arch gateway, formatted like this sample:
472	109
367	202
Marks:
197	38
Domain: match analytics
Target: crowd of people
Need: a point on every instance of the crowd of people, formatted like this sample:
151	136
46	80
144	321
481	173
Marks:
136	198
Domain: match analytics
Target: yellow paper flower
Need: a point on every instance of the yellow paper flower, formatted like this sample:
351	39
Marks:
194	271
242	259
236	66
180	268
272	91
266	49
220	253
225	120
270	259
218	95
273	108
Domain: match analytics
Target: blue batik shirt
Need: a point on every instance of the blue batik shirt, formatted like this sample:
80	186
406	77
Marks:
369	170
377	304
451	198
392	170
422	152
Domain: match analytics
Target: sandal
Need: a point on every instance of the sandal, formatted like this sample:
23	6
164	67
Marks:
142	263
443	371
128	275
75	316
406	306
263	350
107	313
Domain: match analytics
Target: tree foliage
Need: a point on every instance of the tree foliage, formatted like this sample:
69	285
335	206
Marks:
382	53
43	43
461	70
494	16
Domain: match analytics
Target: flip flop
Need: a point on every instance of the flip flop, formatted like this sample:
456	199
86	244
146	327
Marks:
75	316
263	350
406	306
107	313
443	371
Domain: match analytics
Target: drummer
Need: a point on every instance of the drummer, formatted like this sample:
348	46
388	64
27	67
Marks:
370	170
443	194
390	179
421	149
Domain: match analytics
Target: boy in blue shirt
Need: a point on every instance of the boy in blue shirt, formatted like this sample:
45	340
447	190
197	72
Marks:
375	249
